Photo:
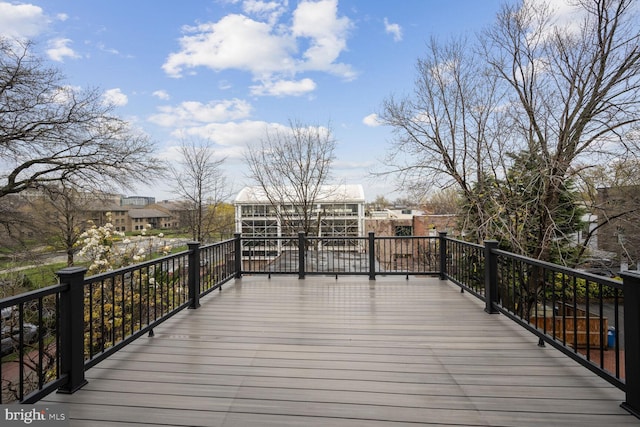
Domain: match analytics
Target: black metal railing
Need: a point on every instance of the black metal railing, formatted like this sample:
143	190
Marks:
121	305
53	335
465	266
577	312
272	255
592	319
30	325
336	255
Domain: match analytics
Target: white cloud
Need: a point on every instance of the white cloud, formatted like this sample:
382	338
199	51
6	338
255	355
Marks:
393	29
116	97
328	34
267	45
64	94
564	14
161	94
22	21
59	49
104	48
371	120
231	138
269	10
568	15
284	87
193	113
234	42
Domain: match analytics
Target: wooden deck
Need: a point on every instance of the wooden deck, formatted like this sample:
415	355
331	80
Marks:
345	352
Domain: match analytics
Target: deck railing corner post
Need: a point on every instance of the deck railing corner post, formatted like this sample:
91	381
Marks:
238	255
631	322
194	274
302	249
372	255
490	276
442	241
71	331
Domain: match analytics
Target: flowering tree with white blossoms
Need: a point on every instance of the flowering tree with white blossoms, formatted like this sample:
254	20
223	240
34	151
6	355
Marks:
109	249
115	305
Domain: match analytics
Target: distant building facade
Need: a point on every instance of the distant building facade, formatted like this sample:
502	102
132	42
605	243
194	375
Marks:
619	222
406	254
410	222
340	209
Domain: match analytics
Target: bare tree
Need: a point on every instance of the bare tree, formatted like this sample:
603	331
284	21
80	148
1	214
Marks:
379	203
60	214
446	201
574	92
529	89
222	224
200	181
292	166
51	132
445	130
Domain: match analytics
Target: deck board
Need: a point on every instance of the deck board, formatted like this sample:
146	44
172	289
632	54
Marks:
346	352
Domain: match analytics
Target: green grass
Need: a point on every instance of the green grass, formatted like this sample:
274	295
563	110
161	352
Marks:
33	277
36	277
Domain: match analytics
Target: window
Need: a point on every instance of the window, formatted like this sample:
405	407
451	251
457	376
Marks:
404	230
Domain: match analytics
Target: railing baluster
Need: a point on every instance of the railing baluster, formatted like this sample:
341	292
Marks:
490	276
302	243
632	341
72	328
194	274
21	346
372	255
40	343
123	313
238	255
616	316
113	311
442	241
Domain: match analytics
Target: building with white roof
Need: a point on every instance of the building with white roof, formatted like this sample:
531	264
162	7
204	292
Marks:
339	208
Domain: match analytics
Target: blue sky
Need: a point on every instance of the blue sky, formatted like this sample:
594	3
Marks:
227	70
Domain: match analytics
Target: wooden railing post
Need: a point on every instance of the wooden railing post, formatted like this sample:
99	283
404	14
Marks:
490	276
238	254
72	328
194	274
631	289
372	256
302	249
442	240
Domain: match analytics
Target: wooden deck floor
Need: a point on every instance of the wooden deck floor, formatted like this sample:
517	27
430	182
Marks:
345	352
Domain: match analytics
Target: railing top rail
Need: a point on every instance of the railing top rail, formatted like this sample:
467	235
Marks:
336	237
31	295
340	238
269	237
561	269
475	245
405	237
128	269
222	242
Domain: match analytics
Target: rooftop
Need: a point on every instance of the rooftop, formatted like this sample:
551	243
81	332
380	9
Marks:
341	352
328	194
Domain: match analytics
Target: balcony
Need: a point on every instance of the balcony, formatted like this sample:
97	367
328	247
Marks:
344	345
